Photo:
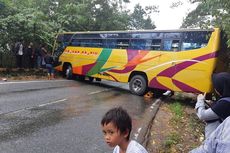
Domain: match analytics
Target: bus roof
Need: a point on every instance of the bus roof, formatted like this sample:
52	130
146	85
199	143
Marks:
137	31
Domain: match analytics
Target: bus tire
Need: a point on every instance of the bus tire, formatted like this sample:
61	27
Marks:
69	72
98	79
91	79
138	85
81	77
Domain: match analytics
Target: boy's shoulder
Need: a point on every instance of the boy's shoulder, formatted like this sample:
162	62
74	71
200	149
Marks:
135	147
116	149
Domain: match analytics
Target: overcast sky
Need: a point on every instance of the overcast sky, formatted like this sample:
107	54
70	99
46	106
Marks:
167	18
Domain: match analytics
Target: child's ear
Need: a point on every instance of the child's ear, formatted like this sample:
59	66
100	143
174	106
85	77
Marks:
126	133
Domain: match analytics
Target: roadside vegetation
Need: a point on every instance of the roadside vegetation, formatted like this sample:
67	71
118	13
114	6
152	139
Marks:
40	21
176	127
24	74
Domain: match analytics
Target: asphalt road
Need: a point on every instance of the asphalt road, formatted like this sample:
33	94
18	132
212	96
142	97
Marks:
61	116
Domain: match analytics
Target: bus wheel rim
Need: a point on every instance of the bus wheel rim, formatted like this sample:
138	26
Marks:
68	71
137	85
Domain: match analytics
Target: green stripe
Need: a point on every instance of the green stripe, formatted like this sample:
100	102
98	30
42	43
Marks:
107	69
102	59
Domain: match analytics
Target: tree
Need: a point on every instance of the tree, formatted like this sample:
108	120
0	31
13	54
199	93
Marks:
210	13
140	18
40	20
200	17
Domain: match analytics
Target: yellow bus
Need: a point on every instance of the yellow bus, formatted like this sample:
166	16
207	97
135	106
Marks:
176	60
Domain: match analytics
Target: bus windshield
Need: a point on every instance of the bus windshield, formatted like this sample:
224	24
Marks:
62	40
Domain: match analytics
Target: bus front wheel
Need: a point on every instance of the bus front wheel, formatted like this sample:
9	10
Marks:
138	85
69	72
91	79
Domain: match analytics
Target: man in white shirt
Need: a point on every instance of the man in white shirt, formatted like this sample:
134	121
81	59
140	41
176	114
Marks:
19	53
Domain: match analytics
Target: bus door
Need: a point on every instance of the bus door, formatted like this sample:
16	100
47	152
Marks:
171	46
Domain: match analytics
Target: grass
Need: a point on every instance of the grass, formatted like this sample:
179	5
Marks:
172	139
196	126
182	125
177	109
180	128
178	112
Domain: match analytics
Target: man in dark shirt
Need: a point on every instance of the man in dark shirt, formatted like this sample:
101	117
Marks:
49	65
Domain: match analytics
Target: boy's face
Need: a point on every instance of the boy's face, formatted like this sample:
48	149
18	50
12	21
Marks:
112	135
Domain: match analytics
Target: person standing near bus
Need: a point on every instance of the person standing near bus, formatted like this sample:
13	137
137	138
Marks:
37	55
116	127
19	47
49	65
219	110
30	54
43	55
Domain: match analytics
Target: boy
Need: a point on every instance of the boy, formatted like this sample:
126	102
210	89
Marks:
116	126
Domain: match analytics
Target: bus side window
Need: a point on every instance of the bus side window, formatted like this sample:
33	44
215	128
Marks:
87	42
122	43
103	43
110	43
175	45
195	40
137	44
167	45
171	45
140	44
156	44
84	43
75	42
96	43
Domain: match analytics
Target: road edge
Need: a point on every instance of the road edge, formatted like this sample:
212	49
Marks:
143	133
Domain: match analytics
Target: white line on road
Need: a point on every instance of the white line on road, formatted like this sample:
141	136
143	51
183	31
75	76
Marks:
49	103
99	91
53	102
45	104
28	108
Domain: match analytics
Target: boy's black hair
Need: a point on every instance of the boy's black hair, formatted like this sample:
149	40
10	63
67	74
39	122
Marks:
120	118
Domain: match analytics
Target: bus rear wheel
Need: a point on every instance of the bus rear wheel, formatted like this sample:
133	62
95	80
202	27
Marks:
138	85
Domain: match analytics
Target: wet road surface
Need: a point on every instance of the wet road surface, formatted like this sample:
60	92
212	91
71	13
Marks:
61	116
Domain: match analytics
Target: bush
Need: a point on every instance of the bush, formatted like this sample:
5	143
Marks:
7	59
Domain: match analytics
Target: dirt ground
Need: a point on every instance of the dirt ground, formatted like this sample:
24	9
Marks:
171	133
